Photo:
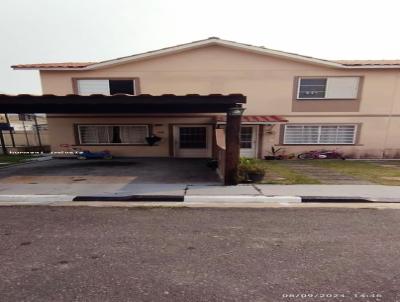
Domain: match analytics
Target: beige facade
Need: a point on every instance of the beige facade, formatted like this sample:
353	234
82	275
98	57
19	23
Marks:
65	128
270	83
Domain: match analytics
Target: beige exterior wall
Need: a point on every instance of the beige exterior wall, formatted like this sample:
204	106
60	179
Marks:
63	132
268	83
372	136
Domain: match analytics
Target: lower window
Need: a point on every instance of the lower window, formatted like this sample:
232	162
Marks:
320	134
112	134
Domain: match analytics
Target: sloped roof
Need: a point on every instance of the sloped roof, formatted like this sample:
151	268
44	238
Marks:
370	62
53	65
209	42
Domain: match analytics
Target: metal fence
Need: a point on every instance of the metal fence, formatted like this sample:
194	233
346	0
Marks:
26	134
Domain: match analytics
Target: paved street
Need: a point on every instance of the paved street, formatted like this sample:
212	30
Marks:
120	254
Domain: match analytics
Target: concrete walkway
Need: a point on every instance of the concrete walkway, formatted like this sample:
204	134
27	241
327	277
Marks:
93	189
367	191
121	178
208	193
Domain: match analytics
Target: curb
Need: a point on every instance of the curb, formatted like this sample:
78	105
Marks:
190	199
336	199
240	198
36	198
132	198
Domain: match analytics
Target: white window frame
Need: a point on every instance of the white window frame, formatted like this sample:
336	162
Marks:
326	87
111	125
134	80
319	134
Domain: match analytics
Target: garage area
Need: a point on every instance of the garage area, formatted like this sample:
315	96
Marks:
123	170
148	105
115	176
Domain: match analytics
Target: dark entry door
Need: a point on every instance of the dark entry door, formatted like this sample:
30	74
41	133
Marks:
192	141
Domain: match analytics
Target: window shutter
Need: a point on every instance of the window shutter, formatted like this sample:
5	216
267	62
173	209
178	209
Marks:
88	87
342	87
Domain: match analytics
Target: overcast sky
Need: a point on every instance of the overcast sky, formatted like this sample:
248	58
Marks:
36	31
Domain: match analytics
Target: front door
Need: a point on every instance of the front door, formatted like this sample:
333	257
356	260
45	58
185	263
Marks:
248	141
192	140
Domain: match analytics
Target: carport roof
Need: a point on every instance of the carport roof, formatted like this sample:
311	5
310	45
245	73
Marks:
120	103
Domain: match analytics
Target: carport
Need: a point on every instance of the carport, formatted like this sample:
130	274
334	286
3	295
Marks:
231	105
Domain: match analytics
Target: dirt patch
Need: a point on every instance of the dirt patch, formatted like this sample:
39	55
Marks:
391	178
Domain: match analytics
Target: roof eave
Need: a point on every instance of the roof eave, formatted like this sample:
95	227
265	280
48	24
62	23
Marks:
372	67
209	42
48	68
194	45
153	54
92	68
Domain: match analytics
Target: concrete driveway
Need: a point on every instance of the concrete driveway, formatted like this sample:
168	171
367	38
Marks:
157	176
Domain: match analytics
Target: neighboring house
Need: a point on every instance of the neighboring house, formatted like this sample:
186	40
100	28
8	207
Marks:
25	134
296	102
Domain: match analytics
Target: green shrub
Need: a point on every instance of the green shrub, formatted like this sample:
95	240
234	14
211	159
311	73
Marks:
249	166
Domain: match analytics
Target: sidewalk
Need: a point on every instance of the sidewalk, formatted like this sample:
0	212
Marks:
376	192
198	193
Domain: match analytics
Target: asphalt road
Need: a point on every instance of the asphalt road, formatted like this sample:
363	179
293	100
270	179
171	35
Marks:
117	254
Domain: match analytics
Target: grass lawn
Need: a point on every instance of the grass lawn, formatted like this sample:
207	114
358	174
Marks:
384	173
6	160
376	172
277	173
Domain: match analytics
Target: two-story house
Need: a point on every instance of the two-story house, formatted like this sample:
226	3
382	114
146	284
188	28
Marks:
296	102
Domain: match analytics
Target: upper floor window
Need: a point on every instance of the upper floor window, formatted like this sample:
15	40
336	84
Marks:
328	88
106	87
